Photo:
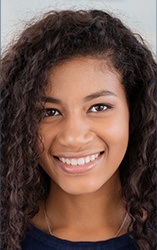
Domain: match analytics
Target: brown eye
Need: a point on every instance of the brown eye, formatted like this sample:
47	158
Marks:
99	108
51	112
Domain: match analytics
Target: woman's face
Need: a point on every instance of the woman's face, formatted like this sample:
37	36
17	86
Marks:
86	125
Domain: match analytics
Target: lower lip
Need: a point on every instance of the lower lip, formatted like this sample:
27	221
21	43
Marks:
78	169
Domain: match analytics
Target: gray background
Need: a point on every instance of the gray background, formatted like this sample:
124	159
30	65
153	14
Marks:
139	15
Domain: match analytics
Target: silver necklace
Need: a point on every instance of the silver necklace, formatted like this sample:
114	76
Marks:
47	222
117	233
122	225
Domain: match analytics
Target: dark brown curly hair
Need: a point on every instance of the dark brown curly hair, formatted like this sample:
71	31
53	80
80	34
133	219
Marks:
25	67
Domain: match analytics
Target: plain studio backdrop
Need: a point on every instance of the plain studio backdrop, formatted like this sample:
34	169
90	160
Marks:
139	15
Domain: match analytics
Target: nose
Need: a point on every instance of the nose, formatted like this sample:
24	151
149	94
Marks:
75	133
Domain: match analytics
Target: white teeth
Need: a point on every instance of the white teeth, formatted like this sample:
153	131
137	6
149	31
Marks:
67	161
63	160
87	159
73	162
92	157
79	161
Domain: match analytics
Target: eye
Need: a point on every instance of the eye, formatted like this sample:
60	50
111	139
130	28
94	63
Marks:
51	112
99	108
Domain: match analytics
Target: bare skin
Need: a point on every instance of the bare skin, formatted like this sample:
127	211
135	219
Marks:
84	203
91	217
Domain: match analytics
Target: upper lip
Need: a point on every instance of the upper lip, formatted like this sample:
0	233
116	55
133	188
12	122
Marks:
79	155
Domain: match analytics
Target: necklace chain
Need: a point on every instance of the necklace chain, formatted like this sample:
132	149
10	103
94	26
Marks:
122	225
117	233
47	222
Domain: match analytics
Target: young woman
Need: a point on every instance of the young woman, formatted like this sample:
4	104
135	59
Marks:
78	136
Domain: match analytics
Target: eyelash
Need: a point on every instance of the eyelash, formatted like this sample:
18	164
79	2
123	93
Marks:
54	112
51	112
101	106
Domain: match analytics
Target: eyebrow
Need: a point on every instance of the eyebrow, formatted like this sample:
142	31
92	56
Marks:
90	97
50	99
99	94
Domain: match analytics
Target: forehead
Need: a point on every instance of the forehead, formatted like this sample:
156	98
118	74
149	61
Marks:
82	72
75	82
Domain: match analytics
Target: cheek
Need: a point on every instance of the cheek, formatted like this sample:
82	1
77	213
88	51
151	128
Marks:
46	144
114	130
115	135
46	137
119	134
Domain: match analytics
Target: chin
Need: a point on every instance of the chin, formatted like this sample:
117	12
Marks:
82	188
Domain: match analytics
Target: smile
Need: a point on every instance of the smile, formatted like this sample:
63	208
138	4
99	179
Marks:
77	165
79	161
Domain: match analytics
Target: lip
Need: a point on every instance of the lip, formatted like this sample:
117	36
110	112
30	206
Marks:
78	169
76	156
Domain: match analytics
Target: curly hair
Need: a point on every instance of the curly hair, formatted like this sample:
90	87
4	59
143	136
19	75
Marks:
25	67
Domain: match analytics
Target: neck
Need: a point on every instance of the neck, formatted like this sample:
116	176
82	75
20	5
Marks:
91	210
85	217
